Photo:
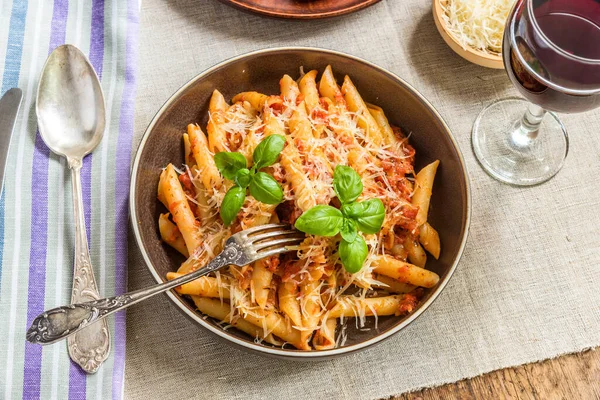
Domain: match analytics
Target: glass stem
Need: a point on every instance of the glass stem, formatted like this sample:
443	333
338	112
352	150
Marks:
526	130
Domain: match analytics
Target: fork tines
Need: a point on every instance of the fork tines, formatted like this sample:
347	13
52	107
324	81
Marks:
263	228
270	239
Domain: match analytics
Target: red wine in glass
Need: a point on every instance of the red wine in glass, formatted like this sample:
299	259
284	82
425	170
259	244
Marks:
551	52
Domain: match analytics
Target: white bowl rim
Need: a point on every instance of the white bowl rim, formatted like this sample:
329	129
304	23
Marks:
276	351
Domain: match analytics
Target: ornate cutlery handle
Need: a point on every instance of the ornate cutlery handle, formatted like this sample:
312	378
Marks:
91	347
58	323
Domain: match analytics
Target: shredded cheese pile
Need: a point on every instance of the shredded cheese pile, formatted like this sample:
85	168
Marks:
478	24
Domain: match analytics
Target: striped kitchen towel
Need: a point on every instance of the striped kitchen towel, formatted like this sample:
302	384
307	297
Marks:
36	212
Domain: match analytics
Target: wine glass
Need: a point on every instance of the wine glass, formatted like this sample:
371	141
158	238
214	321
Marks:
551	52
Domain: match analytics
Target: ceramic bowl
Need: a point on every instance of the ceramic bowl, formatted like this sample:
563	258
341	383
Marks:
262	70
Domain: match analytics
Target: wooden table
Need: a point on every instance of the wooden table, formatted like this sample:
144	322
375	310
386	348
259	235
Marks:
573	376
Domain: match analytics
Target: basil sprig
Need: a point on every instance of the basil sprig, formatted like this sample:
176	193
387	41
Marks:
365	216
347	184
263	187
230	163
353	254
267	151
232	203
349	230
368	214
320	220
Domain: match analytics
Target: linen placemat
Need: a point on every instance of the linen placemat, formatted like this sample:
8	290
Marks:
36	211
525	290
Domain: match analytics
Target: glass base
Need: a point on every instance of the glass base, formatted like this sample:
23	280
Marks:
514	154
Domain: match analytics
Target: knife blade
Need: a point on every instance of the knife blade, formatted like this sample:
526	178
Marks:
9	108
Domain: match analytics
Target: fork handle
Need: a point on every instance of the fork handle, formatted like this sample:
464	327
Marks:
60	322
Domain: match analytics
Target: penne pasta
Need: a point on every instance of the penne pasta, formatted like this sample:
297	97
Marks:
220	311
288	302
360	160
392	285
170	234
329	290
357	105
204	212
310	308
161	196
352	306
305	196
263	215
404	272
423	190
179	208
217	136
308	88
356	307
416	254
308	192
261	283
389	138
248	145
324	338
289	89
204	159
430	239
187	149
273	124
299	124
329	88
205	286
256	100
277	325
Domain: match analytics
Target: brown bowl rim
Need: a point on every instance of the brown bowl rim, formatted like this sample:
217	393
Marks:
240	5
275	351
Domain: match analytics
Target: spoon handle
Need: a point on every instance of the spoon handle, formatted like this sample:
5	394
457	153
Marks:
90	346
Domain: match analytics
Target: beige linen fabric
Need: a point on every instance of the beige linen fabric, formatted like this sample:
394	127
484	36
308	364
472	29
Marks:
525	290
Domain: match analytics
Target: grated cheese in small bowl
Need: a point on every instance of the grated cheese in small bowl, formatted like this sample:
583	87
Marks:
478	24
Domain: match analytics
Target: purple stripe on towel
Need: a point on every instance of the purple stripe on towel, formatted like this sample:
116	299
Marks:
39	227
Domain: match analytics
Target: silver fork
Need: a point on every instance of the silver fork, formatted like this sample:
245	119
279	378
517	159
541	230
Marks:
242	248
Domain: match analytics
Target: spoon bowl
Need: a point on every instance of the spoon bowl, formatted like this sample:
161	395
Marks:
70	104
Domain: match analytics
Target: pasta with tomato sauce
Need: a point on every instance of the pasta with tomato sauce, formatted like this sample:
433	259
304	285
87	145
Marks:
301	299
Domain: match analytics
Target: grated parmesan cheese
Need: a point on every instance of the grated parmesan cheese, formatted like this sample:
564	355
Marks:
478	24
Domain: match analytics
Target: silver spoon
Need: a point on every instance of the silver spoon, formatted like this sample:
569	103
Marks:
71	118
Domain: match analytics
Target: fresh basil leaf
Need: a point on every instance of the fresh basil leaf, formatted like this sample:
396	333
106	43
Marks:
264	188
268	150
372	216
348	230
320	220
229	163
353	255
353	210
243	177
232	203
347	184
